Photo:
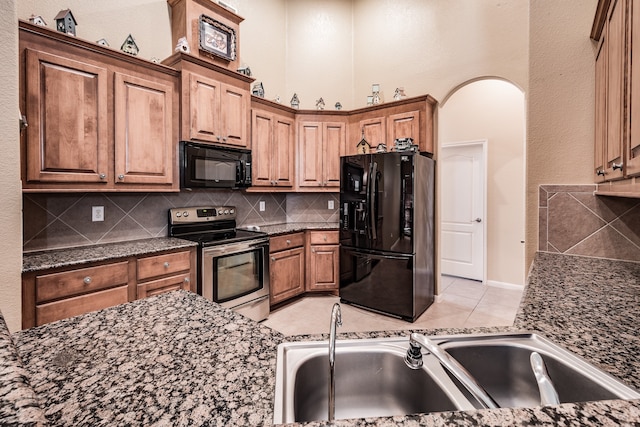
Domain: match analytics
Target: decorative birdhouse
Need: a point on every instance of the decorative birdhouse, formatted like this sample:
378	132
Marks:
295	101
37	20
320	104
103	42
65	22
258	90
363	146
129	46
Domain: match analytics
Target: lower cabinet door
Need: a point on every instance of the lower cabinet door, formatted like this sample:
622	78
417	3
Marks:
69	307
286	274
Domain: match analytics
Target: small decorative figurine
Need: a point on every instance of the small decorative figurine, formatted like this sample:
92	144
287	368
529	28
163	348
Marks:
399	94
295	102
155	59
65	22
258	90
37	20
245	70
103	42
375	88
183	45
381	148
363	146
129	46
403	144
320	104
277	99
370	100
338	106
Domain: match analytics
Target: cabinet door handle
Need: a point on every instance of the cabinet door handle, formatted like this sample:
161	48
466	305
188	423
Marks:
218	137
325	238
288	242
600	172
313	250
273	258
87	280
121	177
166	264
103	176
187	280
224	139
617	166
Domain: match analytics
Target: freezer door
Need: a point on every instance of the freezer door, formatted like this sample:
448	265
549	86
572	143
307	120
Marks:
378	282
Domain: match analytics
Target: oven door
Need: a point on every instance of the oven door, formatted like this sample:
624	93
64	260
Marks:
236	275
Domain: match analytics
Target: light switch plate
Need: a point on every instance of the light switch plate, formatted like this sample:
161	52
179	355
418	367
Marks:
261	206
97	213
331	205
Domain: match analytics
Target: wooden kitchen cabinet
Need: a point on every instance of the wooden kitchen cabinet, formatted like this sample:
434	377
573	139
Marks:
164	273
323	261
273	146
384	123
98	119
617	120
59	293
321	142
215	102
286	267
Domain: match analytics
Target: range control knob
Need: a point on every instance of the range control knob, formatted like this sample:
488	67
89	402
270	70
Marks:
185	214
178	214
232	211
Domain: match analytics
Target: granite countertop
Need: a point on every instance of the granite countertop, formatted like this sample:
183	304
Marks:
43	260
178	359
292	227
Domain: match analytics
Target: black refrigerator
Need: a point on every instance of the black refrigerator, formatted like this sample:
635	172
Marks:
387	233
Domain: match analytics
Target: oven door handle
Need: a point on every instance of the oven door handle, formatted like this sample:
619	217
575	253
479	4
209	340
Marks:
253	301
230	248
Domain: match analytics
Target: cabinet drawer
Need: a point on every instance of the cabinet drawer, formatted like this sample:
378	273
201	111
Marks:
323	237
160	286
75	306
75	282
163	264
286	241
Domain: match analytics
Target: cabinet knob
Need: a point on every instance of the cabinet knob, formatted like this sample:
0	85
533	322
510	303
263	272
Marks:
103	176
166	264
325	238
224	139
218	137
313	250
288	242
617	166
87	280
600	172
187	280
121	177
273	258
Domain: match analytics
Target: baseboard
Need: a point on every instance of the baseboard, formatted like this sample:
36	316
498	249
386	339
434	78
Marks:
504	285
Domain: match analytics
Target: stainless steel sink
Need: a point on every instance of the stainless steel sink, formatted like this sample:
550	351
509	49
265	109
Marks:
500	363
373	380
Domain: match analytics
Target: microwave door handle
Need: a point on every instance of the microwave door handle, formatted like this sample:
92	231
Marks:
239	172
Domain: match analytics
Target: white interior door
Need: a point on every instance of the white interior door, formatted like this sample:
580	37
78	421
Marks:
462	227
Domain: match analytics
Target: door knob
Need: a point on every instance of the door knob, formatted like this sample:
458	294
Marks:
478	220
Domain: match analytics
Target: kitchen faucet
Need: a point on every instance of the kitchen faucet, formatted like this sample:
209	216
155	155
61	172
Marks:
336	320
413	359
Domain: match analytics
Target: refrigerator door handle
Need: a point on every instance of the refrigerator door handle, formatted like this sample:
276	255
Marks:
373	181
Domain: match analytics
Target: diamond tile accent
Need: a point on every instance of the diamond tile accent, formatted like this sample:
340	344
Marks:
573	220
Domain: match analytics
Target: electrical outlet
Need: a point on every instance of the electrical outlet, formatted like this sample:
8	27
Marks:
261	206
97	213
330	205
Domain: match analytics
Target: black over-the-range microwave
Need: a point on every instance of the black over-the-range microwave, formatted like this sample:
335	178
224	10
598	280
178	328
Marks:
211	166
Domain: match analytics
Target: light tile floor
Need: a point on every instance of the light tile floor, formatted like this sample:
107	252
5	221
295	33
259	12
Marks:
462	303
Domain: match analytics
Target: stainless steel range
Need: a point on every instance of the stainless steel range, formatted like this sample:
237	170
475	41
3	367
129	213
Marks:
233	266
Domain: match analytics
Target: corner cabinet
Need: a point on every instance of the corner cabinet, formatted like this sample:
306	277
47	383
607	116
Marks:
273	146
321	142
98	119
616	28
215	102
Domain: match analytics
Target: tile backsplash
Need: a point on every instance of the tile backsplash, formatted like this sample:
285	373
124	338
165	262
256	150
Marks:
572	220
52	221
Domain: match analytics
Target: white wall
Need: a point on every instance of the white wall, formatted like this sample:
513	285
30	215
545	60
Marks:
560	130
495	110
10	186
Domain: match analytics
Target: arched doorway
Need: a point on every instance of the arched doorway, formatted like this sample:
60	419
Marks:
493	110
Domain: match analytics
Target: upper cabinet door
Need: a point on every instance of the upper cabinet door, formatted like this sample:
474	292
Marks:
335	136
404	125
310	151
283	165
374	131
67	109
262	137
633	150
235	106
143	131
600	137
204	109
